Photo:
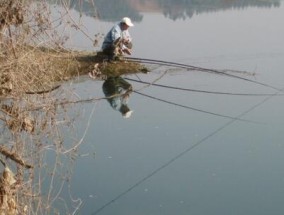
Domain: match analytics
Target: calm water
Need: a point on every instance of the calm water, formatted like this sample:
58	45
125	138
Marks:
166	159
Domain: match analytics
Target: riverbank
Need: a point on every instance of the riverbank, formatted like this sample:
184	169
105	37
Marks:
39	69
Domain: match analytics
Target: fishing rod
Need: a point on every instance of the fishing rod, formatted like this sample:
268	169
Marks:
200	91
192	108
180	65
190	67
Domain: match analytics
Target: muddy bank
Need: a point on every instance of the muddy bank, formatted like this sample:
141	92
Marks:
36	69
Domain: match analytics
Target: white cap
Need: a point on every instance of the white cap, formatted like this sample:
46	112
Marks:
127	114
127	21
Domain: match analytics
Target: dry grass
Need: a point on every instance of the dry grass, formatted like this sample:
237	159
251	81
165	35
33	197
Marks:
40	69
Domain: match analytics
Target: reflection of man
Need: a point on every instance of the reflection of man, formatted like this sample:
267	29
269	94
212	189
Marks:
117	91
118	39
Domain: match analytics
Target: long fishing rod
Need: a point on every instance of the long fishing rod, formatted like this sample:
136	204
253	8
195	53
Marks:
200	91
180	65
194	109
190	67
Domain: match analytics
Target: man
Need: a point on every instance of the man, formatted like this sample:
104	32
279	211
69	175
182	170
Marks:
118	40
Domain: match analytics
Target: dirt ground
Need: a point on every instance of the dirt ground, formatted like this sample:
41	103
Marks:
36	69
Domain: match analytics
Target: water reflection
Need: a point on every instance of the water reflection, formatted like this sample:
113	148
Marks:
114	10
117	91
229	159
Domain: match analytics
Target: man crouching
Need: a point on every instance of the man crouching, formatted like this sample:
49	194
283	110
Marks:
118	40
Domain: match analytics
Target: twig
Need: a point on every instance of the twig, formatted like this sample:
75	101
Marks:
85	133
13	156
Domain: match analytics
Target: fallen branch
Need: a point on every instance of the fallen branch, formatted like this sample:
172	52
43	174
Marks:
13	156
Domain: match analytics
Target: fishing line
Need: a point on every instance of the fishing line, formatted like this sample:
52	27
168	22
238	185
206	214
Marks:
185	66
192	108
136	77
166	164
200	91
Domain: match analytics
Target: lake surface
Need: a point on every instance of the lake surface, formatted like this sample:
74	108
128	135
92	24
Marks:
167	159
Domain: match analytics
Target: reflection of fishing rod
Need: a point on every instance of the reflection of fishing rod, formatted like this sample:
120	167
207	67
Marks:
192	108
173	159
189	67
201	91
